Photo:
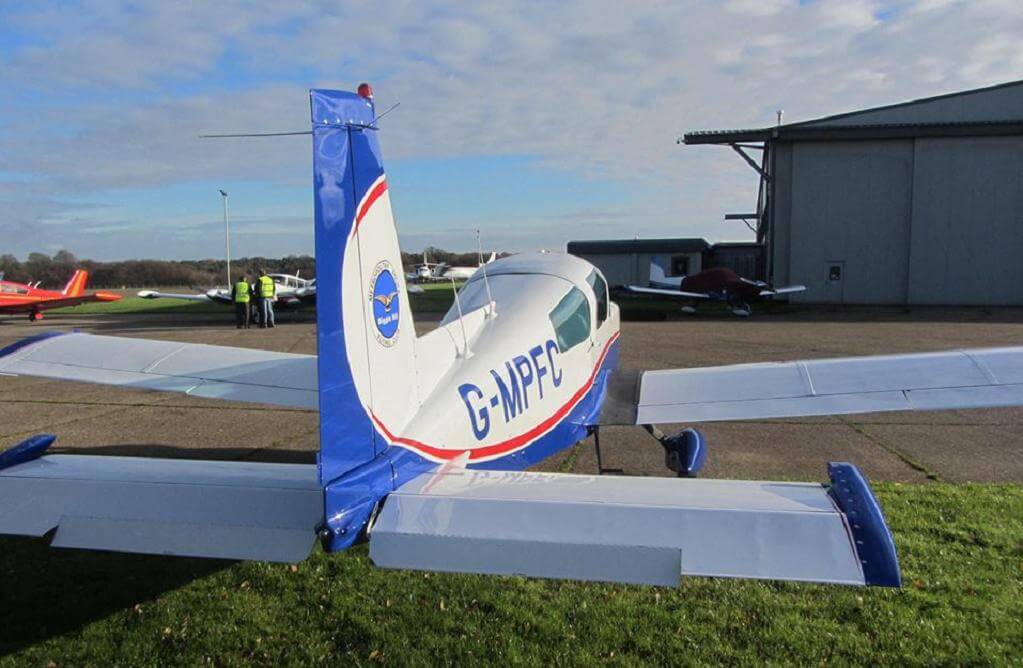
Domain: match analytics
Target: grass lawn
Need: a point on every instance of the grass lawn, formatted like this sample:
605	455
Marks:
139	305
436	297
962	558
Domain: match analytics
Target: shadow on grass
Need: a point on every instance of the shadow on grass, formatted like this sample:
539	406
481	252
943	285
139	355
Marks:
49	592
269	455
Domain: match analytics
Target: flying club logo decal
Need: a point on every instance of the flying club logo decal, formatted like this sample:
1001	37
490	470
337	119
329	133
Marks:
386	304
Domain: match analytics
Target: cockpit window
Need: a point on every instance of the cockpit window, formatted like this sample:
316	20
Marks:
599	286
571	319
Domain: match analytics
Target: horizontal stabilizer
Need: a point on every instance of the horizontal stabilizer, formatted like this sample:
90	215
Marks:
635	530
227	510
216	372
923	381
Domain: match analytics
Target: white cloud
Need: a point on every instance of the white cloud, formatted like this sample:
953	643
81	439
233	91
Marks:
110	96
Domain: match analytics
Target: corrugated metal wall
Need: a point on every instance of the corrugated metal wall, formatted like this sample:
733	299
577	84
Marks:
926	221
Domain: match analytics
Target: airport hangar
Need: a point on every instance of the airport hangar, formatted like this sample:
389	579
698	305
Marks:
914	203
917	203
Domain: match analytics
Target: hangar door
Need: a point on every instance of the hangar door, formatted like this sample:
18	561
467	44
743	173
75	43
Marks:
967	236
850	207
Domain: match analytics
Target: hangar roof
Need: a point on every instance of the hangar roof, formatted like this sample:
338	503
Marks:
994	110
615	246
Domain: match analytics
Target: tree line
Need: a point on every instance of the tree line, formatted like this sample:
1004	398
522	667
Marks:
54	272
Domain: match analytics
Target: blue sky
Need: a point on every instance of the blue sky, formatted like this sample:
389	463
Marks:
534	123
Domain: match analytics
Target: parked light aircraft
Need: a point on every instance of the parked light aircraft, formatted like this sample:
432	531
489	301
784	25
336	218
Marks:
716	283
424	438
292	291
422	271
443	272
30	299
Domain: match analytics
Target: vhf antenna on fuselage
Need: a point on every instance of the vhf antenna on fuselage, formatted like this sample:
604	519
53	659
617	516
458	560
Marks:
491	306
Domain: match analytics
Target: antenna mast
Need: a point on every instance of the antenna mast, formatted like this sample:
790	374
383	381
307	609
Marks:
491	307
461	321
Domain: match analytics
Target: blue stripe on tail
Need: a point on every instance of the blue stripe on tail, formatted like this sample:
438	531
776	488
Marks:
346	161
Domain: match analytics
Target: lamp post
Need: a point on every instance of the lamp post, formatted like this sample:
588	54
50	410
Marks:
227	239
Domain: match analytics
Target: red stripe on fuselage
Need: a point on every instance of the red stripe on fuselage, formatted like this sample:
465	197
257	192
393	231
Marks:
513	443
368	201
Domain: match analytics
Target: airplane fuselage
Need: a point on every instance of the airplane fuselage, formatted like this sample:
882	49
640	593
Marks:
536	367
23	298
721	282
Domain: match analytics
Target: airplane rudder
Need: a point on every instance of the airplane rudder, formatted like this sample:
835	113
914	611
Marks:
76	284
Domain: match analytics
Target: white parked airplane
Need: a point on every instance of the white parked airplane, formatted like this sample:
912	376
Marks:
292	291
422	271
424	438
443	272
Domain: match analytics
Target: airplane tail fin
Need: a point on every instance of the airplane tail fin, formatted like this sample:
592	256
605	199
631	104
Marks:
365	334
76	286
657	274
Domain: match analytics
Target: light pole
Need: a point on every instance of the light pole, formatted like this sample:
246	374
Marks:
227	239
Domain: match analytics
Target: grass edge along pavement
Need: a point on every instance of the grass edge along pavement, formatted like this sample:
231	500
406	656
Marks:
435	297
961	548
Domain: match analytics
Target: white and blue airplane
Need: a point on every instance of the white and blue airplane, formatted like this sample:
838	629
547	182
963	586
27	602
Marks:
425	438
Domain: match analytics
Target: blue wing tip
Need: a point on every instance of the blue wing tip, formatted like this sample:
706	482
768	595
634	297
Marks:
18	345
873	541
29	449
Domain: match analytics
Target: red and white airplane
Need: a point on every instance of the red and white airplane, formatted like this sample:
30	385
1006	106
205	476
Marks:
716	284
30	299
425	436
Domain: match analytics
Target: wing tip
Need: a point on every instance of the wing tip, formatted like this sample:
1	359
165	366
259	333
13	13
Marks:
29	449
872	539
35	338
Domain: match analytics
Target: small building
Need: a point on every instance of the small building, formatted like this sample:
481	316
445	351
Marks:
745	258
627	261
914	203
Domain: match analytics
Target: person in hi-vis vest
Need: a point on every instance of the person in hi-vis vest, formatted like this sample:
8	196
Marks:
266	293
241	293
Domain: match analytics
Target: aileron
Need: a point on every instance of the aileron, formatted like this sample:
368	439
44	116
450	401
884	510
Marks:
924	381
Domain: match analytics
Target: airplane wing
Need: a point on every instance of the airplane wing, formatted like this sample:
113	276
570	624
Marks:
924	381
60	302
217	372
225	510
636	530
667	293
603	528
154	294
788	289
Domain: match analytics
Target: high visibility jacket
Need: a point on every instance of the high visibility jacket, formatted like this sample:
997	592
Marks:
266	287
241	292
